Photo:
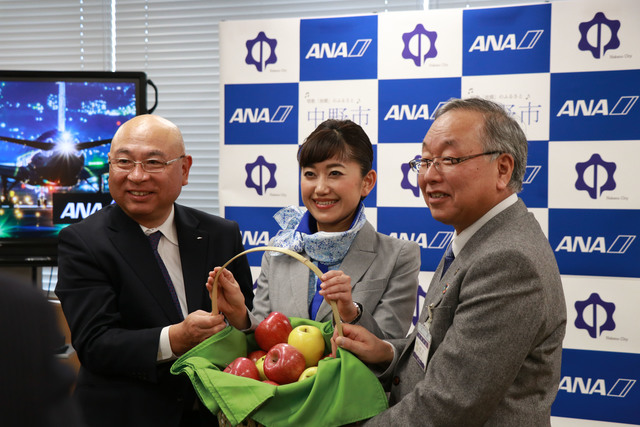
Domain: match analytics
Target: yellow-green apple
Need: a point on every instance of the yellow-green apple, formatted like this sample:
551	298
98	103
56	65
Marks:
283	364
260	366
273	330
308	373
243	367
309	341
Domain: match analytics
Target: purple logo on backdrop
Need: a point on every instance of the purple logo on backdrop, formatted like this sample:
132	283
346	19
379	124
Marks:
594	164
598	21
593	326
260	165
419	301
406	184
257	47
418	57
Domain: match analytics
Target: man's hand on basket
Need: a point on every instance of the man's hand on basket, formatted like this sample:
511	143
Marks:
365	345
195	328
230	298
336	286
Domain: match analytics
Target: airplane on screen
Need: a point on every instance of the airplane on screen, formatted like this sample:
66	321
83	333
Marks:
57	160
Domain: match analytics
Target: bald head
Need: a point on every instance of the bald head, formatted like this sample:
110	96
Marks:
148	127
145	196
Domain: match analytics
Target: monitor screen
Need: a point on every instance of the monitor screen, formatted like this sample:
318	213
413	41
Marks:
55	131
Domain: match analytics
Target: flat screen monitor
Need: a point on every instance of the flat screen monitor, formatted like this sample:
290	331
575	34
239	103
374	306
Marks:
55	132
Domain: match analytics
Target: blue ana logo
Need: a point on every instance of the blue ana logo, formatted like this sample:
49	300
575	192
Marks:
439	241
598	244
593	165
257	115
509	42
593	107
420	33
265	50
594	324
599	19
255	238
406	184
263	167
338	50
409	112
530	173
598	386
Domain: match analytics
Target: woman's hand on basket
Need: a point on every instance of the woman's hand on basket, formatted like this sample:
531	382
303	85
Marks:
336	286
230	298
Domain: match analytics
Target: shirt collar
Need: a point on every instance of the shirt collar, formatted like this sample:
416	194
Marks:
168	228
459	240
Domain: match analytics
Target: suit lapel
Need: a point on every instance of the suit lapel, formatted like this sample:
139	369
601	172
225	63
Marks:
193	243
129	239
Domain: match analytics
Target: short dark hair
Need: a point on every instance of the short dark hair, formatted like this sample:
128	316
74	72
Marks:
343	139
501	133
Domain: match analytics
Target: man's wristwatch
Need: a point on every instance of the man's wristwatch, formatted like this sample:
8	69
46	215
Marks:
359	315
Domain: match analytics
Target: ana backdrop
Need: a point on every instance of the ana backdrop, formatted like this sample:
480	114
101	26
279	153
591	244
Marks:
569	72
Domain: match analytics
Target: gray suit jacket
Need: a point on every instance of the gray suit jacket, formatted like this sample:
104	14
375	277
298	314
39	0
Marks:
384	279
499	319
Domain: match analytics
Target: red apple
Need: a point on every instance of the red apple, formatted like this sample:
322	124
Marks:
270	382
255	355
273	330
243	367
309	341
284	364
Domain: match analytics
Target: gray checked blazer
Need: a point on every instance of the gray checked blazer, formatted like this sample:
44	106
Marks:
384	279
499	319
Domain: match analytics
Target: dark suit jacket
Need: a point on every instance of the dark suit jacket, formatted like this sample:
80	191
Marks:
499	319
35	388
116	303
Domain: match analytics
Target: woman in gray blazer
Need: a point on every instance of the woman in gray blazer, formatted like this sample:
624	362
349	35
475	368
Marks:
372	277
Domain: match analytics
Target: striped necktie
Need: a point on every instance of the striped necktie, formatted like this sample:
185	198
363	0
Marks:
154	239
448	259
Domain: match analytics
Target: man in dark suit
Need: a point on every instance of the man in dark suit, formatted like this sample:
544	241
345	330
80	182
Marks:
132	310
487	347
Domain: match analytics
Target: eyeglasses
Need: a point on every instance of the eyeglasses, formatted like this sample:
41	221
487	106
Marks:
443	164
149	165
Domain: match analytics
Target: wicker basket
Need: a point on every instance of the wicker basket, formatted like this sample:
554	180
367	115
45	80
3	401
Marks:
343	391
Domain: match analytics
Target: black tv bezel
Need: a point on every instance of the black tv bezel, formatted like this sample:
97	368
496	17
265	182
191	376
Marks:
43	251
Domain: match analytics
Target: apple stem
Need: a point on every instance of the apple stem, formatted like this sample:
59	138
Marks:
297	256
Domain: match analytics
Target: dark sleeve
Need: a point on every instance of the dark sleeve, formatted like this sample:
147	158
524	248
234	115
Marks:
113	334
36	387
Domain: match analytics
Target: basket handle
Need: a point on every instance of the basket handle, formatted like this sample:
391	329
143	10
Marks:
297	256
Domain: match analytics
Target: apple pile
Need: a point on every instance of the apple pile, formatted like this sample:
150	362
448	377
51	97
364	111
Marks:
286	354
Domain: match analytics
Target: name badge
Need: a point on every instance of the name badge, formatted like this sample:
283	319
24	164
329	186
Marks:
423	342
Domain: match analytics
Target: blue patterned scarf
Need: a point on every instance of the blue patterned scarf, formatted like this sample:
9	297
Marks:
298	235
326	249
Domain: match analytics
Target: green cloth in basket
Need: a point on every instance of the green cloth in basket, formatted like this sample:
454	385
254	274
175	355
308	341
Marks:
343	391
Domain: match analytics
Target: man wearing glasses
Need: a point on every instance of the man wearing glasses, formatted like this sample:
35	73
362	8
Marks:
487	347
131	280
